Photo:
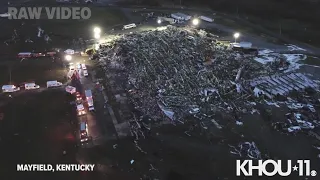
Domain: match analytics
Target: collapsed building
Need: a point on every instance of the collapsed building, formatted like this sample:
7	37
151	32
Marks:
175	72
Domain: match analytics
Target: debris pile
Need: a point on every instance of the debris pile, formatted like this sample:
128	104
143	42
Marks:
302	116
18	36
246	149
178	71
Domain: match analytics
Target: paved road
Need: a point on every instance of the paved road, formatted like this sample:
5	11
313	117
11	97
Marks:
100	126
257	41
246	37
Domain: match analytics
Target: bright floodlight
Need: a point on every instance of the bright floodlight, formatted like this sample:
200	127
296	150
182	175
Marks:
97	36
96	46
159	21
236	35
97	30
195	22
68	57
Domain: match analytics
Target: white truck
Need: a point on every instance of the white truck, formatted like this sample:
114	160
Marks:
29	86
71	68
70	89
54	83
90	104
89	98
10	88
129	26
204	18
244	45
69	51
5	15
85	73
84	67
83	132
166	19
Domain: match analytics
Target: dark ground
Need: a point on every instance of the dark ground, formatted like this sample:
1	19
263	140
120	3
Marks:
36	129
29	70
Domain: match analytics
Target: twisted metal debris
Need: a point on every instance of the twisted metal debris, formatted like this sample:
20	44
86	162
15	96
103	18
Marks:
178	71
246	149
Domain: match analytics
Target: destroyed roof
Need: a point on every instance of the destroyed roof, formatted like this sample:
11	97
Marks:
282	85
168	67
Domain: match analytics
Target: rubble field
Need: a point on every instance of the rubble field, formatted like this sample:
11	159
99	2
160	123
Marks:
180	72
184	76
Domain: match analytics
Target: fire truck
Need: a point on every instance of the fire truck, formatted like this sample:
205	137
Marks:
89	98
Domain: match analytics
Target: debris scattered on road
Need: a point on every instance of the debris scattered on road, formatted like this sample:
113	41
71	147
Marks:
152	168
292	47
246	149
28	40
186	132
40	32
115	146
139	148
239	123
317	147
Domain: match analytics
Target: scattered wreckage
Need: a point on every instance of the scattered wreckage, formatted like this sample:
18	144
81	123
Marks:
246	150
17	36
176	73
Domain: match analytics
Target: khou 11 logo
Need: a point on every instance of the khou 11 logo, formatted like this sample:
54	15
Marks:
302	166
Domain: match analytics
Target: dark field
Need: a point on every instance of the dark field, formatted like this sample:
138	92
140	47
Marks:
61	32
297	19
37	127
37	70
